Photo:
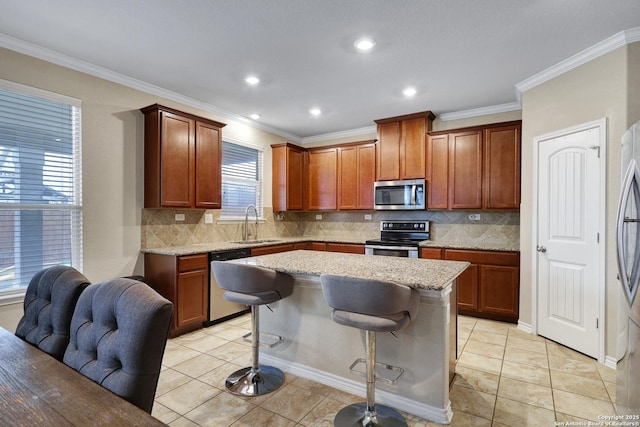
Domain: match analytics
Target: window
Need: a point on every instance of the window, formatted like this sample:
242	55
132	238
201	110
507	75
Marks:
40	184
241	179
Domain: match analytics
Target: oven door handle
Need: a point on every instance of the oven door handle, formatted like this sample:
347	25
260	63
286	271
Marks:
392	248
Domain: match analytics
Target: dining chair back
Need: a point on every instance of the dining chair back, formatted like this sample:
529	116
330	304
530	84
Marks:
49	302
119	332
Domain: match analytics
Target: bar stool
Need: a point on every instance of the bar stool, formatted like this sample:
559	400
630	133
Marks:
253	286
375	306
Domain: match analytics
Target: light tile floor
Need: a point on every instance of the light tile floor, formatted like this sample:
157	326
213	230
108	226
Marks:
505	377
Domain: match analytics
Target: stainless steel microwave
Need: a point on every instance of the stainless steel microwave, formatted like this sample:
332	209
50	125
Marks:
400	195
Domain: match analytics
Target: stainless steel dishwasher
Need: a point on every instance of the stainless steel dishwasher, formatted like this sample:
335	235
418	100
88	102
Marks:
219	308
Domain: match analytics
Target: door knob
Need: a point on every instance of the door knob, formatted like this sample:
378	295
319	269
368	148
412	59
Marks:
541	249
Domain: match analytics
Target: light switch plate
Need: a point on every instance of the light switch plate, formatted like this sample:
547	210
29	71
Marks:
208	218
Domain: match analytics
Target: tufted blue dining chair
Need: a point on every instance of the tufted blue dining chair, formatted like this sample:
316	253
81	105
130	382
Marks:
49	302
118	335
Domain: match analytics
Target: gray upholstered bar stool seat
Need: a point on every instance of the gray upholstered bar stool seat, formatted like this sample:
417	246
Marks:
374	306
253	286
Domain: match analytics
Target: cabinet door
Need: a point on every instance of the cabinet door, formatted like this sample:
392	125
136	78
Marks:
348	177
322	179
502	168
287	178
412	138
265	250
468	289
318	246
499	288
192	295
177	154
388	153
208	166
438	172
366	175
465	170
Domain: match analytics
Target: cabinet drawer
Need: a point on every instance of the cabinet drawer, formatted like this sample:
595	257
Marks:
483	257
345	248
265	250
193	262
431	253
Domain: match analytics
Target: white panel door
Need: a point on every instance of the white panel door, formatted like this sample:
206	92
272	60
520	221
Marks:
568	248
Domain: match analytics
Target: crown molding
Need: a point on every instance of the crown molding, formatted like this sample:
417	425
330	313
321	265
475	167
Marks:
341	134
482	111
617	40
57	58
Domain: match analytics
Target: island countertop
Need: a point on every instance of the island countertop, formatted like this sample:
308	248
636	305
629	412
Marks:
413	272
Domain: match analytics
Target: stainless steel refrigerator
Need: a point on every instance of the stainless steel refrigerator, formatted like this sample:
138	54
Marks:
628	253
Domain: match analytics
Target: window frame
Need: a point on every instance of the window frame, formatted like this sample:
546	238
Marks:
259	187
16	294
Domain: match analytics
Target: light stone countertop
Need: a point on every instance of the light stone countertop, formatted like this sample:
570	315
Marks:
481	246
414	272
197	248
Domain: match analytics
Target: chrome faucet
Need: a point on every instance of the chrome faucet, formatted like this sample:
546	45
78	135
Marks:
246	222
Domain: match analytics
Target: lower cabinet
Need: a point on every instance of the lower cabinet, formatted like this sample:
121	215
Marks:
348	248
274	249
183	280
490	286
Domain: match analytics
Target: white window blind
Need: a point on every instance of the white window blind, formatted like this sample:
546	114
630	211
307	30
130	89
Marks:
241	179
40	184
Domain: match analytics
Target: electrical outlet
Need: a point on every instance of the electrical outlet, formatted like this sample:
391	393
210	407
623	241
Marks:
474	217
319	217
367	217
208	218
179	217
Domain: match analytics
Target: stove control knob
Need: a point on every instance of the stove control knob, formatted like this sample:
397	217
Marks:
389	225
416	225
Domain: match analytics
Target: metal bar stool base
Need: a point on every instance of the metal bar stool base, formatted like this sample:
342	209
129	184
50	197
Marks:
353	416
246	382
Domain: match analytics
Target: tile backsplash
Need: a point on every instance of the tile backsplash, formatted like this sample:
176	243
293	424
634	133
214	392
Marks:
160	229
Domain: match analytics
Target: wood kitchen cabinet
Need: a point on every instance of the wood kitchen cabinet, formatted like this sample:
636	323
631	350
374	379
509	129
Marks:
401	146
322	179
182	159
501	178
490	287
474	168
356	175
348	248
183	280
288	168
273	249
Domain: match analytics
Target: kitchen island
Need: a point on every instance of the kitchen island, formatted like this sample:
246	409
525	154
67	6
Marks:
318	349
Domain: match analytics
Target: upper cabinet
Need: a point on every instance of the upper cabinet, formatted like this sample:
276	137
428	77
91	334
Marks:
322	178
401	146
288	177
474	168
182	158
356	175
502	167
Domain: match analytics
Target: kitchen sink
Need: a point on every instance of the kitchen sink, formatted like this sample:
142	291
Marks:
249	242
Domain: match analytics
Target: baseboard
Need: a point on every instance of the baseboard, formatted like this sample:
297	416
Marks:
610	362
525	327
431	413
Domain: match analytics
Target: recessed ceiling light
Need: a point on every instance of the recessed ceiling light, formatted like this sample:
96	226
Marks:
252	80
364	44
315	111
409	91
255	116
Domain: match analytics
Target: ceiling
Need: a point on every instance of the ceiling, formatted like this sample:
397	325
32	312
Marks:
458	54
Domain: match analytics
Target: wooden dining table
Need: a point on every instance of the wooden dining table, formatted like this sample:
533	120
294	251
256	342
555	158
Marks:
38	390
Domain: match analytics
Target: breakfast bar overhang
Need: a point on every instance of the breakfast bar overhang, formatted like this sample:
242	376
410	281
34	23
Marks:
318	349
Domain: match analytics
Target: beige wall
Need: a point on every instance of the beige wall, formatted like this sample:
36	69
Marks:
112	156
590	92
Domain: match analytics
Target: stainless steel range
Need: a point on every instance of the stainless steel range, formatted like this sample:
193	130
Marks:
398	238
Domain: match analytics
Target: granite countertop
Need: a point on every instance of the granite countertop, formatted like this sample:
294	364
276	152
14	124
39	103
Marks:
416	273
197	248
481	246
